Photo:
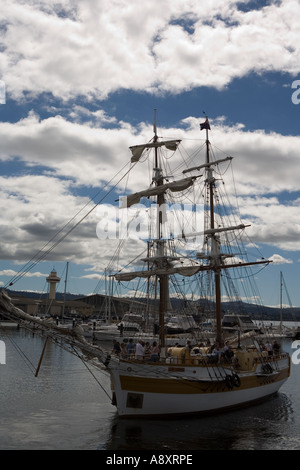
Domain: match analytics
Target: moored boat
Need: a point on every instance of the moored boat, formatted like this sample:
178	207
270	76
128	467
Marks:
207	373
183	382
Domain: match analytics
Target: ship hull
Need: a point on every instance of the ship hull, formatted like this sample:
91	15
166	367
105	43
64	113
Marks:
172	391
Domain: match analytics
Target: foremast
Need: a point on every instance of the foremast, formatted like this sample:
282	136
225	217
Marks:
161	262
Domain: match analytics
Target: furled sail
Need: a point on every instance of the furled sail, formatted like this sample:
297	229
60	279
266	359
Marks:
185	271
207	165
137	150
175	186
182	270
213	231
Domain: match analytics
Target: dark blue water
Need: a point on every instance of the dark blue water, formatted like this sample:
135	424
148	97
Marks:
64	408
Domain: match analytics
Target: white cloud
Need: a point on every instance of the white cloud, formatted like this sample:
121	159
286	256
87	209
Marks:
102	46
81	152
92	48
278	259
91	155
272	221
76	155
11	273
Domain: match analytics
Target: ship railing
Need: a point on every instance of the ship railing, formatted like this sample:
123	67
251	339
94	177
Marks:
237	362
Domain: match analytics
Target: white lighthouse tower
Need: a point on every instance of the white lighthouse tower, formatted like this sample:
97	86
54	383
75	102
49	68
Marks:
53	279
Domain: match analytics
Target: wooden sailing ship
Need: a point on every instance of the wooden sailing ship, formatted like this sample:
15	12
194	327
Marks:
186	381
182	381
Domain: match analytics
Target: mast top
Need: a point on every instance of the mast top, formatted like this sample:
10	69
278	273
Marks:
205	124
154	125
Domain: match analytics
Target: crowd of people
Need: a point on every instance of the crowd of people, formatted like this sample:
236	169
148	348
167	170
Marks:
272	349
219	354
144	351
140	351
213	352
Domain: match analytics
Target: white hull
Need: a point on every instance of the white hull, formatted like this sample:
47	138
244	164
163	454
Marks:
143	390
103	332
110	333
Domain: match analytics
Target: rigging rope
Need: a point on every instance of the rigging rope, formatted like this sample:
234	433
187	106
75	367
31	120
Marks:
41	254
93	375
22	354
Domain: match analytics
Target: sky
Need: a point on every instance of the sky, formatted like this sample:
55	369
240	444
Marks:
79	83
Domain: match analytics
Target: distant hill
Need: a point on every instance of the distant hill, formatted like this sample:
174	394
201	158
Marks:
256	312
270	313
40	295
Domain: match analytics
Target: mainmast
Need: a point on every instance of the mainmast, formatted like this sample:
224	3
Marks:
163	278
215	250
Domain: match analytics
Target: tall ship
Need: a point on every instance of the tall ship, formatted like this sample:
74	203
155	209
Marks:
207	374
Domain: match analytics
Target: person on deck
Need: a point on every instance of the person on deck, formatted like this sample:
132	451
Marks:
154	356
140	350
130	347
269	348
123	352
228	353
216	354
116	347
276	347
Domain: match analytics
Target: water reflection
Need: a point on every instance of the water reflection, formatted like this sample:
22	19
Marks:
263	426
273	424
64	408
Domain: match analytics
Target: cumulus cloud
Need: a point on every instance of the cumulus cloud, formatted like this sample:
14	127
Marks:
91	155
11	273
71	155
102	45
67	148
92	48
273	221
278	259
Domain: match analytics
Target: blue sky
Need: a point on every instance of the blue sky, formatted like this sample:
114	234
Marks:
82	80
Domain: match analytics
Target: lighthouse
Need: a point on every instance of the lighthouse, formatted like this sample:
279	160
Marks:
53	279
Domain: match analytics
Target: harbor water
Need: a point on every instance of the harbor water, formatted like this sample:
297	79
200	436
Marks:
68	407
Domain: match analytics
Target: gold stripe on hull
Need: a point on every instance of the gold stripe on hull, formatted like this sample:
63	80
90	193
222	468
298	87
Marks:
179	386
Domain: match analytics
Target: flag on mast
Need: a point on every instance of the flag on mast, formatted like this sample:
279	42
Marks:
205	125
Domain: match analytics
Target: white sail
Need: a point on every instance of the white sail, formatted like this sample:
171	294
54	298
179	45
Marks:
137	150
175	186
182	270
